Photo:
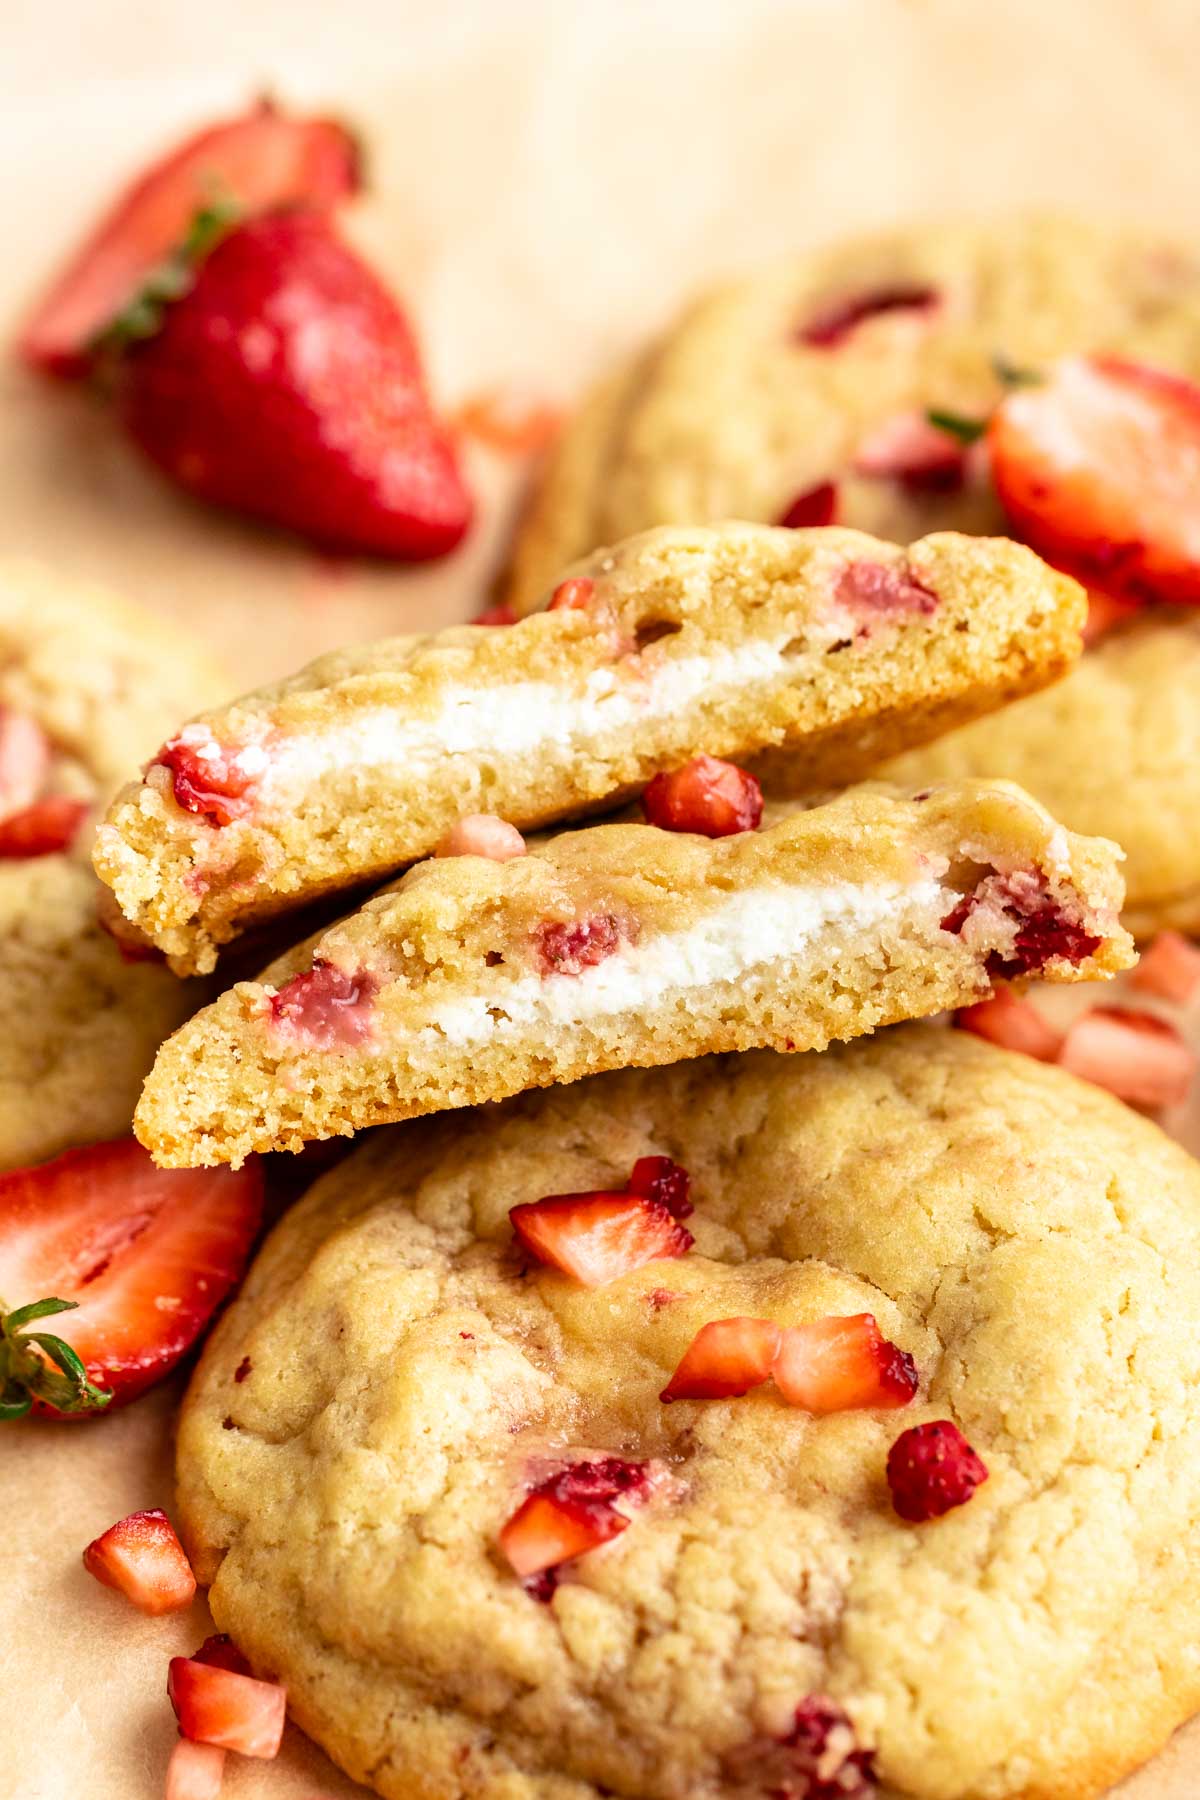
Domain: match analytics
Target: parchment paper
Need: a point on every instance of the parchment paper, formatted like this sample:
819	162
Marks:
550	178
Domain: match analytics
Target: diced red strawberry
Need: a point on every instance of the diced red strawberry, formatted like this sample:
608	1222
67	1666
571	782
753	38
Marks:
827	1761
835	1364
208	778
706	796
1170	968
500	614
1105	612
726	1357
139	1259
931	1469
573	595
873	590
195	1771
260	161
221	1651
909	449
816	506
658	1178
217	1706
143	1559
1139	1058
324	1008
570	1513
24	760
596	1237
831	324
42	829
508	424
482	834
1044	931
286	384
567	947
1098	467
1011	1022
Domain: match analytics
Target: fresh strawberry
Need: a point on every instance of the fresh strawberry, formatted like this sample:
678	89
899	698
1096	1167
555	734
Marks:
1170	968
706	796
285	383
834	1364
1098	467
831	324
234	1712
1011	1022
212	780
143	1559
324	1008
482	834
1139	1058
595	1237
222	1653
500	614
726	1357
827	1761
42	829
911	449
874	591
195	1771
255	163
568	946
573	595
140	1257
658	1178
815	506
570	1513
24	760
931	1469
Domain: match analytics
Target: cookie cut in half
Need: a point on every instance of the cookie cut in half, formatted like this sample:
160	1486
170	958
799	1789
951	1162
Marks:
624	944
737	639
437	1492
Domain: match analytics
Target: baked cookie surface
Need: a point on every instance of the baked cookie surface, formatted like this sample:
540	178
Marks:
393	1380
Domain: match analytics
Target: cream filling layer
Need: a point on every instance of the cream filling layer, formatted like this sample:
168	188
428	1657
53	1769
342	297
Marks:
745	932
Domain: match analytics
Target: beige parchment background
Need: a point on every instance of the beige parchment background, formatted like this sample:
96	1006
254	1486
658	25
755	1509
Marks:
550	177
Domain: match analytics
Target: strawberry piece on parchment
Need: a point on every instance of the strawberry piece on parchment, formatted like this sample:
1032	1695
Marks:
141	1557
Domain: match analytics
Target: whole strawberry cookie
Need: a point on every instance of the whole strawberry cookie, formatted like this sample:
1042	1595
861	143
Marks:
86	684
825	1427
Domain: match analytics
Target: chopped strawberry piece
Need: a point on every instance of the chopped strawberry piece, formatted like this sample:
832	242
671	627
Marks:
568	947
208	778
1098	467
706	796
931	1469
24	760
260	161
832	324
139	1259
596	1237
1170	968
500	614
835	1364
1105	612
508	424
195	1771
1043	930
874	590
573	595
572	1512
658	1178
1139	1058
42	829
221	1651
482	834
816	506
909	449
143	1559
1011	1022
324	1008
217	1706
726	1357
827	1762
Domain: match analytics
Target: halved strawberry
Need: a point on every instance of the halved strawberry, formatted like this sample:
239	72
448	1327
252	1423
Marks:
24	760
726	1357
911	449
1170	968
595	1237
217	1706
42	829
482	834
1139	1058
815	506
143	1559
140	1257
834	1364
262	160
706	796
1098	467
1013	1023
571	1512
195	1771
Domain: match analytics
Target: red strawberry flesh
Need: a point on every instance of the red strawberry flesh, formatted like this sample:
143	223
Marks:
207	778
221	1651
43	829
141	1557
706	796
574	595
658	1178
1013	1023
726	1358
931	1469
827	1763
1139	1058
217	1706
833	323
1169	969
568	947
324	1008
873	591
596	1237
570	1513
195	1771
1044	931
25	757
835	1364
815	506
909	449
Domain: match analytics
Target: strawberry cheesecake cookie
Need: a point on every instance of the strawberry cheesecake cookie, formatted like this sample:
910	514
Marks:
474	978
85	685
824	1427
738	638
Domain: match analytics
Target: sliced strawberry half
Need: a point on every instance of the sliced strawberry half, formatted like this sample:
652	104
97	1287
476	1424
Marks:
570	1513
1098	467
42	829
1013	1023
1136	1057
727	1357
706	796
138	1257
595	1237
262	160
195	1771
142	1558
1170	969
234	1712
835	1364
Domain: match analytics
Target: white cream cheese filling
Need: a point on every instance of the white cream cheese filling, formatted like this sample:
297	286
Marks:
747	930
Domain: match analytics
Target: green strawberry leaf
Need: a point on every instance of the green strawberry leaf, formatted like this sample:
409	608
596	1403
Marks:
142	315
1014	375
957	425
37	1365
